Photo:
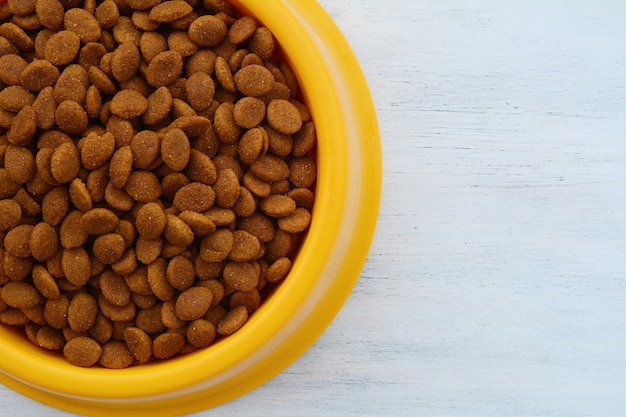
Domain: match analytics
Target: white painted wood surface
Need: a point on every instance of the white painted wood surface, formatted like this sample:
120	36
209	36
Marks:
496	282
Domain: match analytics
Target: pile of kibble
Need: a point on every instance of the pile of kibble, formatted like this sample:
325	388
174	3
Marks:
156	174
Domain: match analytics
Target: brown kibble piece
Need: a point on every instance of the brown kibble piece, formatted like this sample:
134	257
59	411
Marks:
82	351
143	186
232	321
138	343
43	241
167	344
302	172
16	241
76	265
207	31
284	116
296	222
200	224
11	67
62	47
177	232
150	221
192	303
164	69
24	125
200	89
159	105
81	313
54	205
277	205
115	355
45	282
125	62
128	104
50	13
249	112
254	80
108	248
175	149
180	273
194	196
245	246
201	333
83	23
71	117
121	166
242	29
20	294
242	276
19	163
99	221
10	214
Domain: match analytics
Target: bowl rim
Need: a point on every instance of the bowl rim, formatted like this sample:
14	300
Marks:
327	266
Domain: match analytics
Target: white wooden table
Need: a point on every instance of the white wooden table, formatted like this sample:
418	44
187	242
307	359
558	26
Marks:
496	282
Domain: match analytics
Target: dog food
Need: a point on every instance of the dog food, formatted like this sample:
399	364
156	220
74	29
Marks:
156	175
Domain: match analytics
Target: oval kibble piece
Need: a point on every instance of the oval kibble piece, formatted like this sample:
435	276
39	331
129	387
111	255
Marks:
79	195
39	74
71	233
177	232
164	69
296	222
43	242
50	338
232	321
150	221
143	186
108	248
245	246
302	172
10	214
19	294
125	62
201	333
242	276
120	166
270	168
82	351
81	313
71	117
200	89
180	273
166	345
96	150
200	224
242	29
55	311
83	23
62	47
159	105
277	205
19	163
50	13
169	11
55	205
157	278
138	343
194	196
175	149
146	147
284	116
207	30
76	265
23	127
254	80
99	221
16	240
65	163
192	303
128	104
115	355
278	270
45	282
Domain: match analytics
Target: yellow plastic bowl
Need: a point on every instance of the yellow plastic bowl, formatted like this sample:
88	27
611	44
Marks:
323	274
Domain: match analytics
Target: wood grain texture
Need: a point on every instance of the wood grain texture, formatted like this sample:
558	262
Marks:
496	282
